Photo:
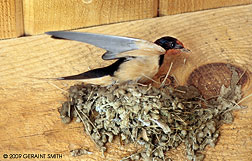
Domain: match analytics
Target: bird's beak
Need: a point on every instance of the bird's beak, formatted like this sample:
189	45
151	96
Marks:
185	50
181	48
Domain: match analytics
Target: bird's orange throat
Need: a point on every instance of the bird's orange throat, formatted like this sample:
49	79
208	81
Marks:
173	52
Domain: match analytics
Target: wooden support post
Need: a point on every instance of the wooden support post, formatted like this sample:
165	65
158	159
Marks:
11	19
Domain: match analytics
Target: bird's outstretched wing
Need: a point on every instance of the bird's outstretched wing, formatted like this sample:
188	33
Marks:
115	45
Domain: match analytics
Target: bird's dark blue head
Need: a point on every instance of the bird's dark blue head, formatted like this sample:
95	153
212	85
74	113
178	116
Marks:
168	42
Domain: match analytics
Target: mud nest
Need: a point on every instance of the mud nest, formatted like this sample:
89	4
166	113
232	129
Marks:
158	119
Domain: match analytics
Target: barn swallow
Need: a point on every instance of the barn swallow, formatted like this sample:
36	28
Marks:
137	60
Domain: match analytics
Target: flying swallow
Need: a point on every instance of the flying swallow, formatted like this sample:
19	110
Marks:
137	60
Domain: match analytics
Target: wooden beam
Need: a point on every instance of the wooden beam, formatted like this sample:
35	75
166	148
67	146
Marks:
45	15
29	119
11	19
170	7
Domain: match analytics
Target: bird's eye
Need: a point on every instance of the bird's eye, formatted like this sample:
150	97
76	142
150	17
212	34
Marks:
172	45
